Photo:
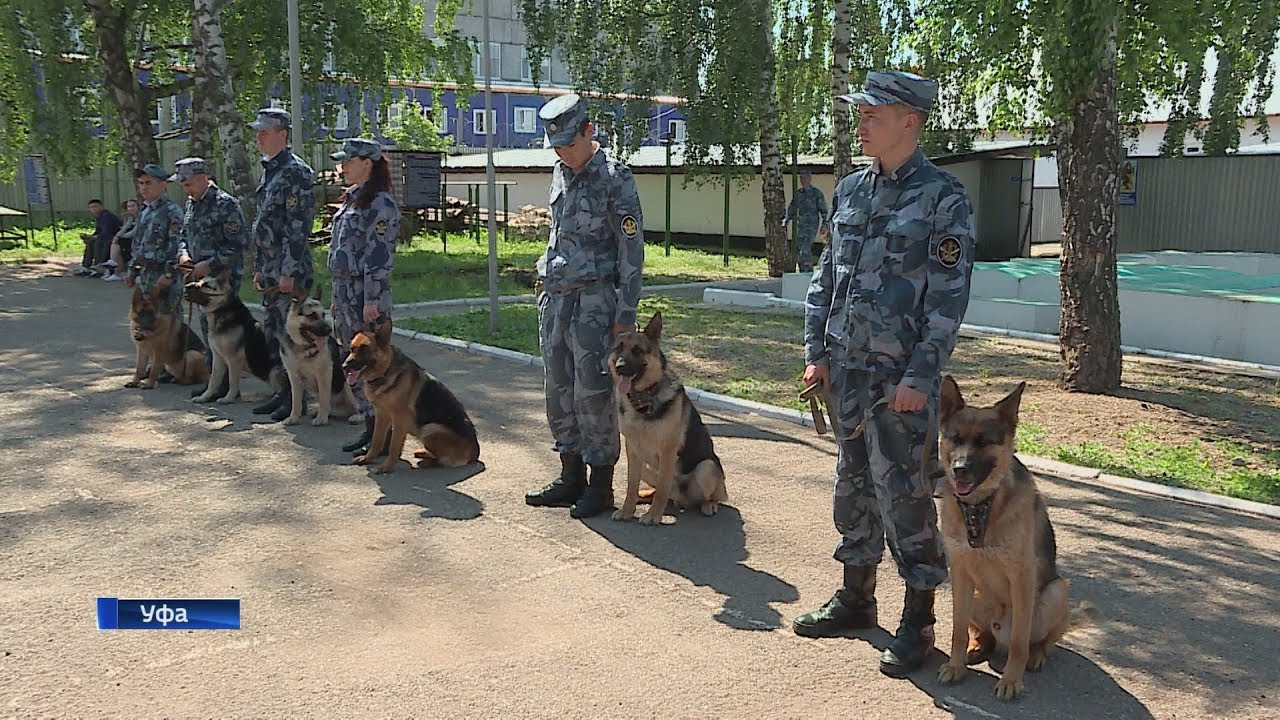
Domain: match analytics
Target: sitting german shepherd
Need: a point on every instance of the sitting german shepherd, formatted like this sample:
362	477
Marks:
667	444
164	341
236	340
408	400
1008	597
311	357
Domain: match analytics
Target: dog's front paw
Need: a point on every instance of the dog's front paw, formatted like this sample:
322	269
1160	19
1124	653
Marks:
619	515
651	518
386	468
320	420
228	399
362	459
131	384
951	673
710	508
293	420
148	385
1009	687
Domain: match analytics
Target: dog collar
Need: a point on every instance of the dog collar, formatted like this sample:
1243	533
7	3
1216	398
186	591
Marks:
644	402
975	519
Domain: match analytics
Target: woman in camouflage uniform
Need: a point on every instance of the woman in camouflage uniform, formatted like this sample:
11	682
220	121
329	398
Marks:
361	254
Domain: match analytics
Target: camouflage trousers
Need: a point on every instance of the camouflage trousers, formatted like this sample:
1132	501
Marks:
805	233
574	333
170	298
882	486
348	319
275	309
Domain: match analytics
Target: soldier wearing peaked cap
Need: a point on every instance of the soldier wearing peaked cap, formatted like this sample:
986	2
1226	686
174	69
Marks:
590	279
213	235
361	253
881	319
155	248
286	207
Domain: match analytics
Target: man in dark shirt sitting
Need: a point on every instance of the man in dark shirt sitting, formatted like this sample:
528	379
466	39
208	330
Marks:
97	247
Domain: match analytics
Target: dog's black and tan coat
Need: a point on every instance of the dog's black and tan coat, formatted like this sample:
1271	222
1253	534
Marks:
667	445
1008	597
236	340
165	341
314	363
408	400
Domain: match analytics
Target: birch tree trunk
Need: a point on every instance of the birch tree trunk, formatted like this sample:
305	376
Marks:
217	68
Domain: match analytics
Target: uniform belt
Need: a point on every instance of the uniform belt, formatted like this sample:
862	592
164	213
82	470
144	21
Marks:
578	284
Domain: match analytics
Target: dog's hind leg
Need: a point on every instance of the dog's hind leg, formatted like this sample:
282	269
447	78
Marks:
1051	621
707	487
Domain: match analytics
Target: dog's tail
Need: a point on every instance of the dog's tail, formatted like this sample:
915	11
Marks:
1085	615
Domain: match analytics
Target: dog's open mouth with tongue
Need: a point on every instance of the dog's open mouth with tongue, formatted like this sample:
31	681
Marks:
626	373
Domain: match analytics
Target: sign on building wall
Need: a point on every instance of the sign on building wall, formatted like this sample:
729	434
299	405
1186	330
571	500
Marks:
1128	182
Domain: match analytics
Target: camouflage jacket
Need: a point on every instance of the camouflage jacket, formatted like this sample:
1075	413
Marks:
808	207
597	232
286	207
892	288
155	242
364	243
213	229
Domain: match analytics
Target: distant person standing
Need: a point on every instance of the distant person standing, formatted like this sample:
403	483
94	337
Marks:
155	248
286	207
360	255
808	209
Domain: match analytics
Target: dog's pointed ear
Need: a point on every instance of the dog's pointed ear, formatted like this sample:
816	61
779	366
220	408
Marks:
950	401
384	333
654	327
1008	407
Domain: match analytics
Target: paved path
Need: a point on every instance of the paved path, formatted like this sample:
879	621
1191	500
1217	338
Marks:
434	594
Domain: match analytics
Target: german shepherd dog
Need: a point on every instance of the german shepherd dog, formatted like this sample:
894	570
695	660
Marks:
311	357
667	445
408	400
163	340
1008	597
239	346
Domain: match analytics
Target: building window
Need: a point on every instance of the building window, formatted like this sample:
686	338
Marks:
526	120
526	69
479	126
395	111
676	130
495	58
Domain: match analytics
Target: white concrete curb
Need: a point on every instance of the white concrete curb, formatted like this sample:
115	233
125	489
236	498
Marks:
1036	464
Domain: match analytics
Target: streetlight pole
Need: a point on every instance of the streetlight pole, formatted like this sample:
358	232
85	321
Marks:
489	121
295	76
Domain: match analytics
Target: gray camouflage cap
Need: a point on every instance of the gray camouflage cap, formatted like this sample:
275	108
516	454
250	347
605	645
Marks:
562	117
358	147
153	170
187	168
887	87
269	118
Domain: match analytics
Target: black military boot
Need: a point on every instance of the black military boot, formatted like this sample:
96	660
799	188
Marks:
166	376
360	445
914	639
272	403
853	607
286	406
598	497
565	490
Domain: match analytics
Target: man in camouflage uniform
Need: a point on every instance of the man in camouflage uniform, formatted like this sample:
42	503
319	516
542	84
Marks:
590	280
881	320
808	209
282	254
213	235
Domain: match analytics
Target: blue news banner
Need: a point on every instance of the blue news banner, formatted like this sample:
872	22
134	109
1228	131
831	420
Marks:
168	614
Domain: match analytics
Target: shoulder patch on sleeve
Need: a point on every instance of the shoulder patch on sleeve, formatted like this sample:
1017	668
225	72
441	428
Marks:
630	226
233	226
950	251
380	227
175	227
291	201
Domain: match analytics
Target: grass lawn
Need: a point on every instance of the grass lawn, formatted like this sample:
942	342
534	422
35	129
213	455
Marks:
1176	425
70	246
